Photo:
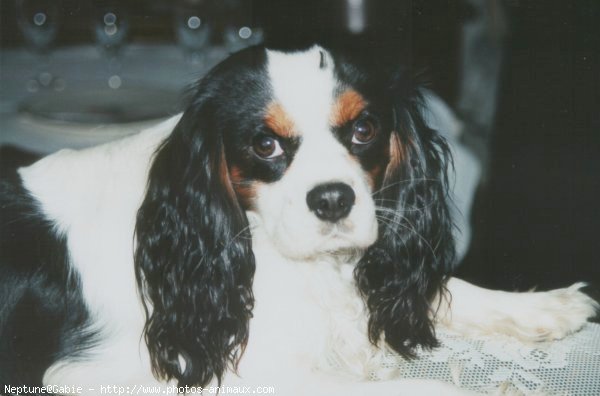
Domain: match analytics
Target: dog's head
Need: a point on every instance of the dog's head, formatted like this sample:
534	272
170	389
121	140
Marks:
329	158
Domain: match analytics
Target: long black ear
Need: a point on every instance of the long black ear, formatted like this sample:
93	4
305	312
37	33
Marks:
402	272
194	262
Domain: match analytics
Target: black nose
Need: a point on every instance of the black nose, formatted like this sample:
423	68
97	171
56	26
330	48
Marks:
331	202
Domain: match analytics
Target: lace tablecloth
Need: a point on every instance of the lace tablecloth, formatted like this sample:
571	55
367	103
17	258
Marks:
502	365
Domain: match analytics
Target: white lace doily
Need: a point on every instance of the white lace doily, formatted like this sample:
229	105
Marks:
502	365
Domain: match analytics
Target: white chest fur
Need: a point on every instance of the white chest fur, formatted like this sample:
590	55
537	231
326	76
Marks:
307	313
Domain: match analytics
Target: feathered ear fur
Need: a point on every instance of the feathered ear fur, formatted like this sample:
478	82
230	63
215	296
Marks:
402	272
194	262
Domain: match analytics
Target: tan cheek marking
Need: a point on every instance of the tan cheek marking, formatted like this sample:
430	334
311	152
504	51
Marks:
279	121
224	175
347	107
245	191
246	195
236	174
396	151
374	175
397	155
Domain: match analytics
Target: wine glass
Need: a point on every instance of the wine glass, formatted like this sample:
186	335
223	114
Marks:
111	27
38	21
193	28
240	29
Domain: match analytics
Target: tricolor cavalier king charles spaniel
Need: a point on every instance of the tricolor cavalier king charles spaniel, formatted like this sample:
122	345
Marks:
289	228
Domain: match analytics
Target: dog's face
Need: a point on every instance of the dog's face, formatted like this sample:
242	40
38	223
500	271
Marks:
329	158
305	148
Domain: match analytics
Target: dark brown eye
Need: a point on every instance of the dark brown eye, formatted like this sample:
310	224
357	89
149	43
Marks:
267	147
363	131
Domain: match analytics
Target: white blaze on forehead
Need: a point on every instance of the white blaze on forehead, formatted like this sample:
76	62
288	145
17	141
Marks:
303	85
303	88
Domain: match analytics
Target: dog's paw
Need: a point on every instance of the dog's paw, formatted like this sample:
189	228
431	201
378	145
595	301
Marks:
551	315
529	316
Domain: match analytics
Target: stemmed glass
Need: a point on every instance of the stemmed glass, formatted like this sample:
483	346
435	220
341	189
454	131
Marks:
240	28
38	21
111	28
193	28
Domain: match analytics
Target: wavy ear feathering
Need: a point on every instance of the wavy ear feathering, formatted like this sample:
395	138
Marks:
404	270
194	265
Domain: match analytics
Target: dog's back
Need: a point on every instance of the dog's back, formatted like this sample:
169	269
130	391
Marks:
45	316
42	305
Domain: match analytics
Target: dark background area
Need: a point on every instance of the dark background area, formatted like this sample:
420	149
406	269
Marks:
536	218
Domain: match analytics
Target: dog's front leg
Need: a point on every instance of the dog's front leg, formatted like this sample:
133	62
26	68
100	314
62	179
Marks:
530	316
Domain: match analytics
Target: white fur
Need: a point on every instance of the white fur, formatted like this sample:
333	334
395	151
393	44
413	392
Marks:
92	196
529	316
319	347
308	333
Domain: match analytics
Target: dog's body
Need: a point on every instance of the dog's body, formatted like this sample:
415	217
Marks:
82	228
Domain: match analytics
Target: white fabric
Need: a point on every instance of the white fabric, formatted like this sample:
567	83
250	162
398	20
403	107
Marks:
502	365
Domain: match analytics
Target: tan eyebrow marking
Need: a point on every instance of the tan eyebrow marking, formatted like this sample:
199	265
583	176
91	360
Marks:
347	107
279	121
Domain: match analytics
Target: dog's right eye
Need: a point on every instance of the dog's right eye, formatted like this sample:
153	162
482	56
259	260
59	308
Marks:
267	147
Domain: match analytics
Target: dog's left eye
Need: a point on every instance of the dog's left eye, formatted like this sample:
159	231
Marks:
364	130
267	147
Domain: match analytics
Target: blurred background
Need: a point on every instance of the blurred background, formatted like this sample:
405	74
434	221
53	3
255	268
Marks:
522	78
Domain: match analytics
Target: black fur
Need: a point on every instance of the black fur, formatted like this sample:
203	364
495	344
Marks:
43	317
402	272
194	262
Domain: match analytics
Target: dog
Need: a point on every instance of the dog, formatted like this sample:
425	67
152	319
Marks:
290	227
